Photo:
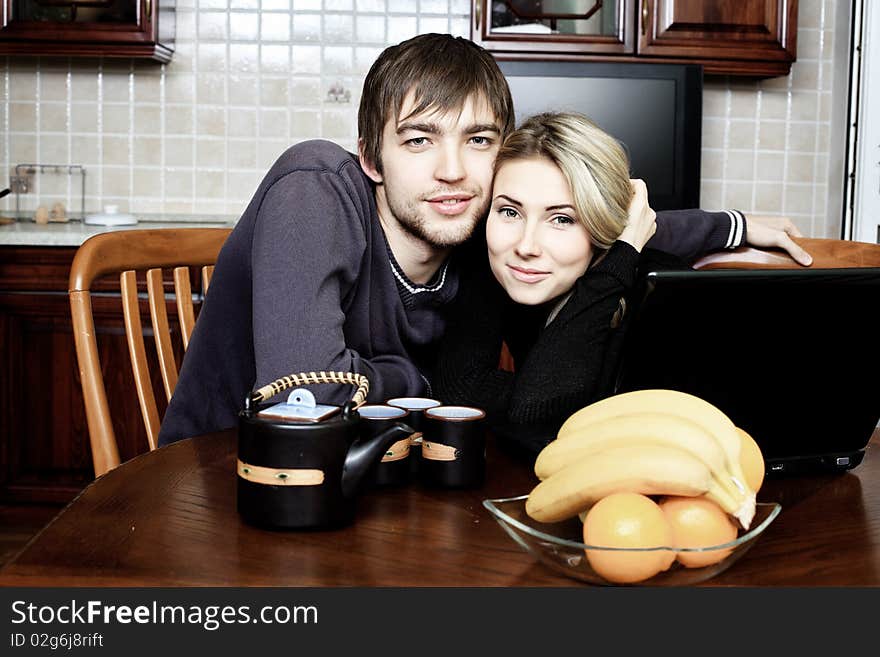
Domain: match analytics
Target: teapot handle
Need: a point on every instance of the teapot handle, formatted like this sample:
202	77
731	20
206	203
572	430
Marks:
306	378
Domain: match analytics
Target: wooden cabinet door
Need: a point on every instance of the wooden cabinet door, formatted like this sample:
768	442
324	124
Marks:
552	29
759	33
44	440
110	28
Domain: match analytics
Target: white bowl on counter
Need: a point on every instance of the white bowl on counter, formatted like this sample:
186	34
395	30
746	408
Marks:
111	216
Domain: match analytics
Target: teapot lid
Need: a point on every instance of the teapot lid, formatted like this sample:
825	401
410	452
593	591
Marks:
301	405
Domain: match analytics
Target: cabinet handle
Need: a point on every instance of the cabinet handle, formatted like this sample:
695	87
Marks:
147	9
478	6
644	17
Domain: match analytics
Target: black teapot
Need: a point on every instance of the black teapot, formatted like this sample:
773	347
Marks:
301	464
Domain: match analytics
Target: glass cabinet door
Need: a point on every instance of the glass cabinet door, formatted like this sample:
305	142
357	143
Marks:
548	26
561	17
76	11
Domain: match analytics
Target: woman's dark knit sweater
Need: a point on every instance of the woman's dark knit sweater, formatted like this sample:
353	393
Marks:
560	367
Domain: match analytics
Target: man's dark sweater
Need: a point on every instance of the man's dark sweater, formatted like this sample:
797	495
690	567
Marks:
306	282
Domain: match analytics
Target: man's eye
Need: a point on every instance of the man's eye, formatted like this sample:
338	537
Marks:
417	141
481	141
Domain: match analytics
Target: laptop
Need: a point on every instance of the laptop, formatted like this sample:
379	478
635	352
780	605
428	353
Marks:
791	356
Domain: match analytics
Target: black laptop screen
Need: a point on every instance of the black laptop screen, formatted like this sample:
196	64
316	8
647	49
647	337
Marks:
791	356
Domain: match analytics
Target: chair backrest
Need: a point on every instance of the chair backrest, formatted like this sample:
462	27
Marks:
126	252
827	254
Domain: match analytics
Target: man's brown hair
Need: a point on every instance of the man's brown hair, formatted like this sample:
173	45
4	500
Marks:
443	71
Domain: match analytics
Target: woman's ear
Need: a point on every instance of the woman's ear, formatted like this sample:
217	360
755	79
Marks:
367	166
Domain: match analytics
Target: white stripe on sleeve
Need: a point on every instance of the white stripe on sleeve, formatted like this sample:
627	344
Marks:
740	228
732	232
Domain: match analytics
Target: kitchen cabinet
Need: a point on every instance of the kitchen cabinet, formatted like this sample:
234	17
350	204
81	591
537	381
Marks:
142	29
732	37
550	29
44	440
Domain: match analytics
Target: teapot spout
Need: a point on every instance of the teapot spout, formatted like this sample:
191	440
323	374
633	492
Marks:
364	455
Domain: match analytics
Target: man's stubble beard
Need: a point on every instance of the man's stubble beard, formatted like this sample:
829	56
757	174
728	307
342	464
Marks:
412	221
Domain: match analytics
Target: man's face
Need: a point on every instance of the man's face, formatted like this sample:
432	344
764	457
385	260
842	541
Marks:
437	171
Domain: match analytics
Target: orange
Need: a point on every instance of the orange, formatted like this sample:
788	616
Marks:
751	460
627	520
697	523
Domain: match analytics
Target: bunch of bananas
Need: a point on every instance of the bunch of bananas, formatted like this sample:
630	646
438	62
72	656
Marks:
653	442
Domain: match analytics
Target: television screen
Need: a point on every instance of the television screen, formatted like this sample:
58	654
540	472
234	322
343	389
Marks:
654	109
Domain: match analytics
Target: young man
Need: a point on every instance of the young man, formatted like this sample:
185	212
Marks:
344	263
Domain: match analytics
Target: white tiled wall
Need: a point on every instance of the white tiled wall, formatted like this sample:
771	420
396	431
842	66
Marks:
250	77
767	144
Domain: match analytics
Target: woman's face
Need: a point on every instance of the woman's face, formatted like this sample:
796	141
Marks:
537	246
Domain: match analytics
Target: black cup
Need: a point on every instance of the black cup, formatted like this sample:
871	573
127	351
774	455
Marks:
416	407
453	447
394	469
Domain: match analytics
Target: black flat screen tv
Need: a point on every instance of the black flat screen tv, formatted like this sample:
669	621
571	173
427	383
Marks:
656	110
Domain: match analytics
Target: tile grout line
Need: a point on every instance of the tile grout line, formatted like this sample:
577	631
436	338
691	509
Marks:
819	86
725	141
131	129
786	141
194	110
227	87
99	187
37	117
757	146
68	120
163	141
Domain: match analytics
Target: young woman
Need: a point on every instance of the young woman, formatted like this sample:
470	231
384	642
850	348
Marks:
566	235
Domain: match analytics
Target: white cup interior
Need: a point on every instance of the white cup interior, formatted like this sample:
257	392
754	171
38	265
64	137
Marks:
414	403
455	413
380	412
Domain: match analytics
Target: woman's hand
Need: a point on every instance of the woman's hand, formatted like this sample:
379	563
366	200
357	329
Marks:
641	223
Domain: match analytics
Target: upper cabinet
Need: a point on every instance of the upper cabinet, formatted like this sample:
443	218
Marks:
734	37
89	28
545	28
740	37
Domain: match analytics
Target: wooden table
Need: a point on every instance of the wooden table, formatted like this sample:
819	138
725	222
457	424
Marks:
168	518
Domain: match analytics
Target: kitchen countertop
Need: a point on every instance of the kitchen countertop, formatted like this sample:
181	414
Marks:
25	232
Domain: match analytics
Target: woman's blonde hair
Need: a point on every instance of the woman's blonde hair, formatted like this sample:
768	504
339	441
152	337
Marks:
593	162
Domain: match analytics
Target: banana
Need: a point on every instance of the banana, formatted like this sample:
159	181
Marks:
645	469
682	404
641	428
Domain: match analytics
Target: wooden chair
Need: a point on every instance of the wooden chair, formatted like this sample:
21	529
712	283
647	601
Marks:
125	252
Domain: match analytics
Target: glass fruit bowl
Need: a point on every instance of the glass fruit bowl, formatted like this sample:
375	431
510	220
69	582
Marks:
558	545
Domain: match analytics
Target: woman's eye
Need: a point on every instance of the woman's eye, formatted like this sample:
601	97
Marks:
562	220
509	213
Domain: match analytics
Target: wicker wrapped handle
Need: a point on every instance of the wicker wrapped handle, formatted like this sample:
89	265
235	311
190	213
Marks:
307	378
